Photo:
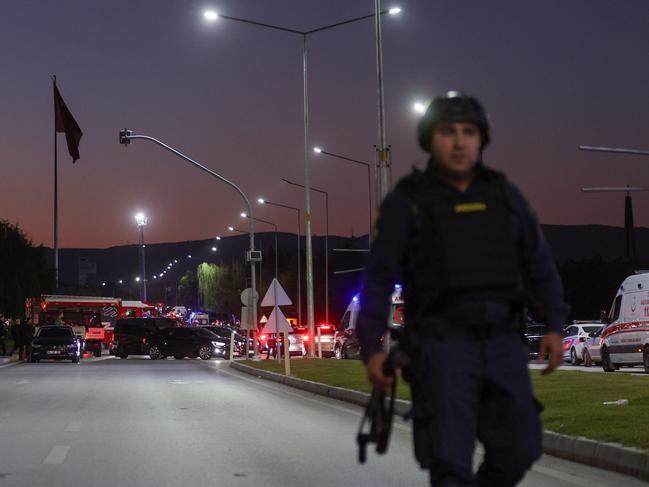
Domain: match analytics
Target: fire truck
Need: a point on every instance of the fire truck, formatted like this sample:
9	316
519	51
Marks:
92	318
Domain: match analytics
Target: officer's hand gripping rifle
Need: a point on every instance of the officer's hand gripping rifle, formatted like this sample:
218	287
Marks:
379	412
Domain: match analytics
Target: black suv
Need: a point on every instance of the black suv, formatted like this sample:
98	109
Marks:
55	342
188	342
133	335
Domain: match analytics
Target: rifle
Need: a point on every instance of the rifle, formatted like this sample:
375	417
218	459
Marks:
379	412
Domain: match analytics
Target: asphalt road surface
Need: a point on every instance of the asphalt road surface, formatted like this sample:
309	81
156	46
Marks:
111	422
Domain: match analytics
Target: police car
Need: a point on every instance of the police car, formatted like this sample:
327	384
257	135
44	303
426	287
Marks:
625	338
574	338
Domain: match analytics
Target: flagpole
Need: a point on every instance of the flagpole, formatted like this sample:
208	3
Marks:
56	198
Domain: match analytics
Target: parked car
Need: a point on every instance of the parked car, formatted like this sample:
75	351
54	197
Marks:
196	318
534	334
327	340
298	340
184	342
133	335
239	340
574	337
55	343
592	348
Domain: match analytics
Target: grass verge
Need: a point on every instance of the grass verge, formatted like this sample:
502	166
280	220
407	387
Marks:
572	400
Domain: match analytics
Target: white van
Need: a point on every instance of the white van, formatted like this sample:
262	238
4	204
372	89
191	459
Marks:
625	338
346	344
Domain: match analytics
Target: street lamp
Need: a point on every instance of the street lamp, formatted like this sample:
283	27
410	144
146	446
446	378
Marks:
142	220
126	136
419	107
319	150
262	201
245	215
383	158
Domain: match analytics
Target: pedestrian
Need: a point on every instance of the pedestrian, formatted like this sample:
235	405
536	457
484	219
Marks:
18	335
3	335
470	255
27	335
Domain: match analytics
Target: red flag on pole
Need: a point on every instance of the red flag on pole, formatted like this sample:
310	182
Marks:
65	122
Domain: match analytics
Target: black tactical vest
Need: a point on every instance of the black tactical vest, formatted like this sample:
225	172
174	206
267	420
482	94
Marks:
464	246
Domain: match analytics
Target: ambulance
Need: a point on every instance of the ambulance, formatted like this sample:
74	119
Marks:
625	338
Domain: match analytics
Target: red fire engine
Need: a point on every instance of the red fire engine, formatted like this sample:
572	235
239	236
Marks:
93	318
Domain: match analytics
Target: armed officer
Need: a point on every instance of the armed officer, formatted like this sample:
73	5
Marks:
471	257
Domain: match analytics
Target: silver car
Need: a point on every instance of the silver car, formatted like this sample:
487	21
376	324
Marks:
592	348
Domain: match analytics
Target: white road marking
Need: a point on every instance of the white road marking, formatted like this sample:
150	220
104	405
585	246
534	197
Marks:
21	382
57	455
178	382
73	426
10	364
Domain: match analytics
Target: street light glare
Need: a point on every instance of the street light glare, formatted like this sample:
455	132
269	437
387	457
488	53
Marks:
394	10
213	249
419	107
141	219
120	281
231	229
317	150
218	238
137	279
210	15
261	201
244	215
189	256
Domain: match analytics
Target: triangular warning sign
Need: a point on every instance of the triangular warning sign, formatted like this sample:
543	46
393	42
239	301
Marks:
275	289
274	320
263	319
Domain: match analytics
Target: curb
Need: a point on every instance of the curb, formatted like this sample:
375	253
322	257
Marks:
5	359
608	456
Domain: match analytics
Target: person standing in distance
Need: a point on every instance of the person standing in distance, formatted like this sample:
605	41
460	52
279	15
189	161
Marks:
471	256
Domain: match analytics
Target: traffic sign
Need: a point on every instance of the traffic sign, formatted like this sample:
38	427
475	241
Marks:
276	296
245	297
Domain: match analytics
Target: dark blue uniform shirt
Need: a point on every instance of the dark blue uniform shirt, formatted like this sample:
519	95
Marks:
386	266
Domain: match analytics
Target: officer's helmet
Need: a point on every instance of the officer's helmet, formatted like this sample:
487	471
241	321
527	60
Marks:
453	106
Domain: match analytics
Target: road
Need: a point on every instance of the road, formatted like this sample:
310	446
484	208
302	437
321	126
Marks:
111	422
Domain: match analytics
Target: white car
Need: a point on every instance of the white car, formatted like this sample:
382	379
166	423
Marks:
574	337
592	349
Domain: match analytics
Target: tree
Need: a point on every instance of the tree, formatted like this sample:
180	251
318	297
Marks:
23	270
220	287
187	290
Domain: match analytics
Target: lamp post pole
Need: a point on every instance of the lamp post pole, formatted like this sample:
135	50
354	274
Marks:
142	221
213	16
126	136
262	201
326	195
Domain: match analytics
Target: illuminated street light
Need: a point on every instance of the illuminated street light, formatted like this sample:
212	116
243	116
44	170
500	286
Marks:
419	107
137	279
317	150
210	15
231	228
213	249
261	201
218	238
120	281
103	283
243	215
175	261
189	256
394	11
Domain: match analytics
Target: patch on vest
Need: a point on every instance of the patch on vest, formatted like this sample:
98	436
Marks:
470	207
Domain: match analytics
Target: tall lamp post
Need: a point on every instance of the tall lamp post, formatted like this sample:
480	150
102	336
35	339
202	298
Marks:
212	16
126	136
236	230
245	215
319	150
262	201
142	220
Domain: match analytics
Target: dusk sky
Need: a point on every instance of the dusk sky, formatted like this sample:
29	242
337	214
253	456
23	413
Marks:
552	74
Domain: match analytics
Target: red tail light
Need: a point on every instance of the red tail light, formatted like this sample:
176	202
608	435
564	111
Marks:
263	337
305	338
144	340
325	327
